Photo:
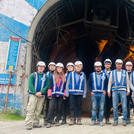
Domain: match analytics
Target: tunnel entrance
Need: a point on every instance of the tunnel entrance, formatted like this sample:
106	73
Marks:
86	30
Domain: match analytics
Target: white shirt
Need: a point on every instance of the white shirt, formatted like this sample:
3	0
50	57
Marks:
119	79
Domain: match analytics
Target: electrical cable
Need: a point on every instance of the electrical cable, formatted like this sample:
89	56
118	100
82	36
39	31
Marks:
15	33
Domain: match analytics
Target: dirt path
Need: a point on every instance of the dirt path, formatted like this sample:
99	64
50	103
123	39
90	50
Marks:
17	127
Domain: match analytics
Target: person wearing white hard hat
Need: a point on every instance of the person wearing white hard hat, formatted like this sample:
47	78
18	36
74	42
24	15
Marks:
70	68
78	63
97	88
49	73
56	94
129	67
108	100
119	85
51	68
38	85
76	89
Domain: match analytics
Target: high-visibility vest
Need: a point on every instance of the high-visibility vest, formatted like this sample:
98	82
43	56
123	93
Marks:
76	87
57	90
132	77
116	84
104	71
67	75
98	87
49	74
39	85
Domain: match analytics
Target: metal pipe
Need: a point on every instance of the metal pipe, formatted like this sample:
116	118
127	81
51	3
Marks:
8	91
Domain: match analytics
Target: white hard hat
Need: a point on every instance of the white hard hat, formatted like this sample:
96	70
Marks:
78	63
129	63
41	63
108	60
119	61
51	63
59	65
97	63
70	64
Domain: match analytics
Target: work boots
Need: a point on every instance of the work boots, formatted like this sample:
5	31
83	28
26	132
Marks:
57	122
79	121
71	121
37	126
107	121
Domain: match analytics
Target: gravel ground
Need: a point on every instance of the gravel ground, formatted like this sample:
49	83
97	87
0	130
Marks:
17	127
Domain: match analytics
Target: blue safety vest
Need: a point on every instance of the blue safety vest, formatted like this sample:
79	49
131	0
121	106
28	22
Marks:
48	74
57	90
67	75
76	87
116	84
132	77
98	87
104	71
39	85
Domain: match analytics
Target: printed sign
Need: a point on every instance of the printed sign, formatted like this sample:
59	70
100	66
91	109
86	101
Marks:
13	52
4	79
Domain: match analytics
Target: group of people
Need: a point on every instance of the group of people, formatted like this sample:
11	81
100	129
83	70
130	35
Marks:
54	91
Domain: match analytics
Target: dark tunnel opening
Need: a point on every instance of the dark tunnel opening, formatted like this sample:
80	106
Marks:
86	30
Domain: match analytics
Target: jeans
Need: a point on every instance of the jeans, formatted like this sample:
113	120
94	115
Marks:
116	95
98	100
75	105
52	103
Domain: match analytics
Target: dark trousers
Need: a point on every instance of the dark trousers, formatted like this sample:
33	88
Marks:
65	108
75	105
46	106
108	105
128	105
52	103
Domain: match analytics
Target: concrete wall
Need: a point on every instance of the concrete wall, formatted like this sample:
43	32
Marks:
18	16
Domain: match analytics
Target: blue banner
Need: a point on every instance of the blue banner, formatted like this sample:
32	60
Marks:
13	52
4	79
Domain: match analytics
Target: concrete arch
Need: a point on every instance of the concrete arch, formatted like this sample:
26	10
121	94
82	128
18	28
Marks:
30	37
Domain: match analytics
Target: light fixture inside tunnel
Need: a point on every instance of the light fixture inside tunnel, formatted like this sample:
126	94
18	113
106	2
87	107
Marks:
130	54
101	45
